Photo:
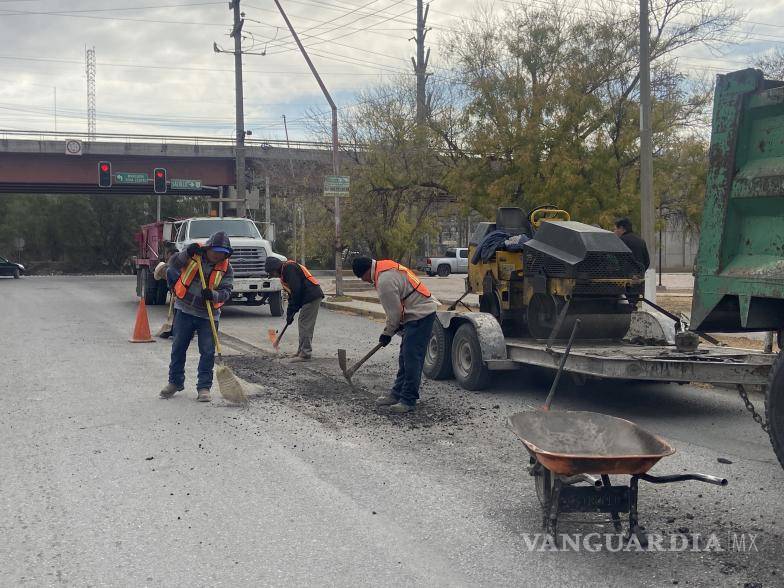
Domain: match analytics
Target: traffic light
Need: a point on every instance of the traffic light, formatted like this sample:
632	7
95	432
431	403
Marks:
159	180
104	174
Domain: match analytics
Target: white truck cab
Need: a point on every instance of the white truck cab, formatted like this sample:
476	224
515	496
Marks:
252	285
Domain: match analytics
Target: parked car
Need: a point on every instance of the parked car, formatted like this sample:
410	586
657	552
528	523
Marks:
455	261
9	268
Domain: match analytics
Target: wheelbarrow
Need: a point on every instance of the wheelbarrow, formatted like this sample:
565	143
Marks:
573	454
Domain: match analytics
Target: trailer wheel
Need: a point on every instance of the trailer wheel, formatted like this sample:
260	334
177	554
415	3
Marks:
276	304
438	357
774	407
470	369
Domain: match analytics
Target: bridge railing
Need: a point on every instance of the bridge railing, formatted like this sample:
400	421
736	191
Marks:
163	139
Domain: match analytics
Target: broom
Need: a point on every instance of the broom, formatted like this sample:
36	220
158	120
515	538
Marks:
166	328
228	384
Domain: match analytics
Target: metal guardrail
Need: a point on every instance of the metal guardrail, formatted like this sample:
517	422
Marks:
6	134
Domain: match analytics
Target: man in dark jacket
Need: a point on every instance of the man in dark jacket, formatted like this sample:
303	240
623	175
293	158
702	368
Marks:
191	305
623	228
305	296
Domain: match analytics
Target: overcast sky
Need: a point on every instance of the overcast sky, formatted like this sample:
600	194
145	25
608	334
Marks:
157	71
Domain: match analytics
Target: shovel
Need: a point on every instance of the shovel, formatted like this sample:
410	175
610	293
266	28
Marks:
348	372
275	338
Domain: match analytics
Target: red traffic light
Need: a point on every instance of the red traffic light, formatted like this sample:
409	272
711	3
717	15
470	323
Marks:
105	174
159	180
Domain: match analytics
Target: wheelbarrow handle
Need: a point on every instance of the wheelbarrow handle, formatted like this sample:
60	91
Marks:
683	478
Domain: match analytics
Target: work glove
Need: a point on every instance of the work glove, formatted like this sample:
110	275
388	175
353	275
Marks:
207	294
193	249
384	339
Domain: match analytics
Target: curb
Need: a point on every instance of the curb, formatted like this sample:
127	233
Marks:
344	306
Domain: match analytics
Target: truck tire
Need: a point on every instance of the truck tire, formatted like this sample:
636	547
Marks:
438	357
276	304
470	369
774	407
163	290
444	270
148	288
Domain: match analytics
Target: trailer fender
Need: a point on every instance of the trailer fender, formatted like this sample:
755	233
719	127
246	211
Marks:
488	331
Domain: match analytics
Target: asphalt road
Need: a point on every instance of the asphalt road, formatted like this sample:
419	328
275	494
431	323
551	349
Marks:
104	484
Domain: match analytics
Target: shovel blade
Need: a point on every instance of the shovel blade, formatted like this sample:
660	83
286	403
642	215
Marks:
342	361
272	335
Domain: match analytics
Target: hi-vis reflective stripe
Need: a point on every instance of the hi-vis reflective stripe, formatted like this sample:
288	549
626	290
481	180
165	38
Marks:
305	271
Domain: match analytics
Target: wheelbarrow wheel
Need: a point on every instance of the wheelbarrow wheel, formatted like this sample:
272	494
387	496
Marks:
774	407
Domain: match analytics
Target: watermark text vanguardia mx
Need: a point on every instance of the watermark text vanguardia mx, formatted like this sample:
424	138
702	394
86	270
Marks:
656	542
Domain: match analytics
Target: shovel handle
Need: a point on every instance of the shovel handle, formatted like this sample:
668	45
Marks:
280	336
358	365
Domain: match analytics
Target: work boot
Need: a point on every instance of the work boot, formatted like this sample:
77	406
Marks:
387	400
402	408
203	395
298	358
170	390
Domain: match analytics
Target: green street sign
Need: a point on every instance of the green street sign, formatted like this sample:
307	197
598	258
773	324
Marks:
336	185
185	184
131	178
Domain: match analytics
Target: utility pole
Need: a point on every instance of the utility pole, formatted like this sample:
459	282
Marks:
646	151
239	150
420	64
299	213
335	152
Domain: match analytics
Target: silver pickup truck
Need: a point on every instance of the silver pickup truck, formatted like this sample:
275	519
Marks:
455	261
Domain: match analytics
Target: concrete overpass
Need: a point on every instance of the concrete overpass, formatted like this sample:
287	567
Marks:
38	162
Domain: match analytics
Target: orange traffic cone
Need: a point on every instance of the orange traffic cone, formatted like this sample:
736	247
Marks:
141	330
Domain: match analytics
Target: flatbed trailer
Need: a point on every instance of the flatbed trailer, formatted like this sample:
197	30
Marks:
469	346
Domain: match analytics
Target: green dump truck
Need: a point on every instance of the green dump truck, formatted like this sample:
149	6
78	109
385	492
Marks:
739	277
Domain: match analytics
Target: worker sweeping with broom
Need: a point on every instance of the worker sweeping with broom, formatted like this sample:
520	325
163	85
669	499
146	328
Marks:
196	304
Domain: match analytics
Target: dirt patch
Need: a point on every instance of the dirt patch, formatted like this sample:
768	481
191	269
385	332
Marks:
674	304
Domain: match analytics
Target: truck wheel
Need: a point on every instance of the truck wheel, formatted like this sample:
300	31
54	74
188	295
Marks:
163	290
148	287
276	304
438	357
443	270
774	407
470	369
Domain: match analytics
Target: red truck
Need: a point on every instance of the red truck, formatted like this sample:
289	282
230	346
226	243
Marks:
154	243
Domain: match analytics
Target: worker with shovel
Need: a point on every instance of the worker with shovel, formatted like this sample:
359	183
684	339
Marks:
193	316
305	296
410	308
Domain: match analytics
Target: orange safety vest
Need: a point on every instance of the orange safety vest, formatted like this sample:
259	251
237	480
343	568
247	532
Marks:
417	285
305	271
191	270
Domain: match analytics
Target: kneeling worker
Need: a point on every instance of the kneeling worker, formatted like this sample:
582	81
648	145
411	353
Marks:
191	305
305	296
409	306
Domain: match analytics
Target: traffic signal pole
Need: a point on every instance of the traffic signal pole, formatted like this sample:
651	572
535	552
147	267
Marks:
335	152
239	150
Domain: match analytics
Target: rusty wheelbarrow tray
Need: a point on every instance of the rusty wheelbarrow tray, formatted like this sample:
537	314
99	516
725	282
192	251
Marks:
569	448
577	442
